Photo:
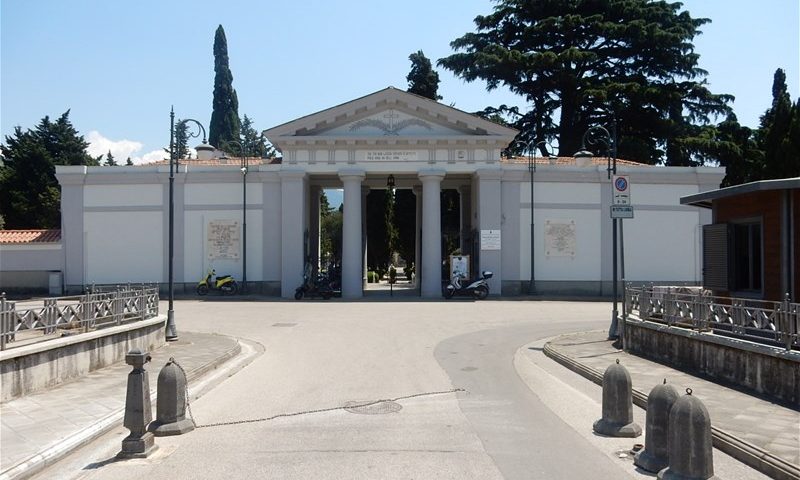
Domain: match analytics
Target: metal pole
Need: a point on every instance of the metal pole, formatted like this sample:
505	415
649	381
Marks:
622	274
531	170
244	223
614	313
171	331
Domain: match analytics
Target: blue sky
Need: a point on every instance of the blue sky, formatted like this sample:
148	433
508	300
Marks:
119	66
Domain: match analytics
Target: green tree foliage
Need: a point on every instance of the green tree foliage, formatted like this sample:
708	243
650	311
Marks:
129	162
779	133
330	232
423	79
591	61
110	161
29	192
224	126
381	233
253	142
736	149
181	140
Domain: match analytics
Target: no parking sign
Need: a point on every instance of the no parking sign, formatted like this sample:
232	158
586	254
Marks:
622	190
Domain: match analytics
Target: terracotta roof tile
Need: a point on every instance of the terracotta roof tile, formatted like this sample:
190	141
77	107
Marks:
233	161
10	237
570	161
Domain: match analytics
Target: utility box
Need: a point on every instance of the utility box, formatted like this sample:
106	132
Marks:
55	283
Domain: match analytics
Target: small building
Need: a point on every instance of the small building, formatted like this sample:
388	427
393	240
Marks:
115	219
752	247
31	261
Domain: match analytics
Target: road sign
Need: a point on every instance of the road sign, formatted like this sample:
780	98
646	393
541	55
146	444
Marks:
621	211
622	190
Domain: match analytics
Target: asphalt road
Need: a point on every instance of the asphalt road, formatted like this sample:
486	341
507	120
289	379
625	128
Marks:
322	355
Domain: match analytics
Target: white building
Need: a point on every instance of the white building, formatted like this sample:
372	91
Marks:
115	219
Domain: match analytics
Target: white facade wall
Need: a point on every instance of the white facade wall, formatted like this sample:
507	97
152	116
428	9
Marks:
122	248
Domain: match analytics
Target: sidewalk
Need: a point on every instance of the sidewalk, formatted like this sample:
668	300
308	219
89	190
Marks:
37	430
760	433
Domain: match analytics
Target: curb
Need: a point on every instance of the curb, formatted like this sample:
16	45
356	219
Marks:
747	453
48	457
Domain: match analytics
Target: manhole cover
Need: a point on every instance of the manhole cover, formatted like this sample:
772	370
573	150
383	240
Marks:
370	408
284	324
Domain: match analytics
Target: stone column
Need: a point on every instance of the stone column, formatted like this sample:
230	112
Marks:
352	258
490	217
431	232
364	193
313	229
292	225
417	237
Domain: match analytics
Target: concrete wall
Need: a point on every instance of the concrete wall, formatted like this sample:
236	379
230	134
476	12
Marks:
31	368
766	370
28	267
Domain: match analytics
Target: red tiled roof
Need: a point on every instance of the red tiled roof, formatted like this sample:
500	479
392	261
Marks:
570	161
233	161
8	237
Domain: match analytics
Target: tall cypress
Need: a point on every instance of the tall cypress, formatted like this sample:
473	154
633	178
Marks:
423	79
224	126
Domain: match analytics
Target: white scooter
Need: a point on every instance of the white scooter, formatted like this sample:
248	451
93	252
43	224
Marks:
478	289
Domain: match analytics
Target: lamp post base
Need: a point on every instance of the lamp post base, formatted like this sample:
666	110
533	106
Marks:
172	332
613	331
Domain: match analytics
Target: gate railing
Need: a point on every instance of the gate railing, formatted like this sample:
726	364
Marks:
754	320
98	308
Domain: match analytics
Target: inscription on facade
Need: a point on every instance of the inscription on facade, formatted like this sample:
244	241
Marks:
559	238
223	240
390	155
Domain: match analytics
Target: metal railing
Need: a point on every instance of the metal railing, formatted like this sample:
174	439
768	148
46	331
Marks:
99	307
773	323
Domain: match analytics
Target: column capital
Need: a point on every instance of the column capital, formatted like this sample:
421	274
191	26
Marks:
417	189
489	174
431	174
292	174
352	174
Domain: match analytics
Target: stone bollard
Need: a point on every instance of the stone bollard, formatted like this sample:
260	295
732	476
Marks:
617	418
171	404
690	452
140	443
655	456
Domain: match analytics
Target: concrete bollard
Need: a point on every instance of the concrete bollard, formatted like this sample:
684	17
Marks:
140	443
690	451
655	456
617	418
171	404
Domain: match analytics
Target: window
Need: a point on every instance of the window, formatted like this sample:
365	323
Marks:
746	257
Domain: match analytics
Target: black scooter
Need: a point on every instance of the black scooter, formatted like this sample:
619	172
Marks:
478	289
319	287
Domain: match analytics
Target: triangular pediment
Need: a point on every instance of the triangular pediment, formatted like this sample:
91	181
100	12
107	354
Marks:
389	113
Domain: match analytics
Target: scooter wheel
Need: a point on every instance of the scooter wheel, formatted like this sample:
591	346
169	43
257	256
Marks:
202	289
298	294
448	293
481	292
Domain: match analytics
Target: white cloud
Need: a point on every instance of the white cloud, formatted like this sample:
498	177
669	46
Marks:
121	149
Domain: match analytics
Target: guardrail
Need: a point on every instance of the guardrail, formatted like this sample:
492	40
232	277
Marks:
96	309
755	320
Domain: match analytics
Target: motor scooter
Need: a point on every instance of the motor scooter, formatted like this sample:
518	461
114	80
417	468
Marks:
478	289
313	287
223	283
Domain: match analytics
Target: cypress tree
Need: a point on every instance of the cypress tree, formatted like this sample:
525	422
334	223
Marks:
224	126
423	80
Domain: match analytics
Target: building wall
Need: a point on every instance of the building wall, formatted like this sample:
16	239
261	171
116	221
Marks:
28	266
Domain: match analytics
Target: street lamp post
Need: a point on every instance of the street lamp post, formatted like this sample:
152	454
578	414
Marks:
530	148
171	333
244	168
599	135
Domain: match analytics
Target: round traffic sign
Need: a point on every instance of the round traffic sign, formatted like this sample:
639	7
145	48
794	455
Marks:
621	184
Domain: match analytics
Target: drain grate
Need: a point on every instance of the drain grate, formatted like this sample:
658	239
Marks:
373	408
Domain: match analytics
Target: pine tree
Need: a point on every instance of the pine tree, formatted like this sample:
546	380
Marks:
224	126
423	79
253	142
29	191
594	63
128	162
110	162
